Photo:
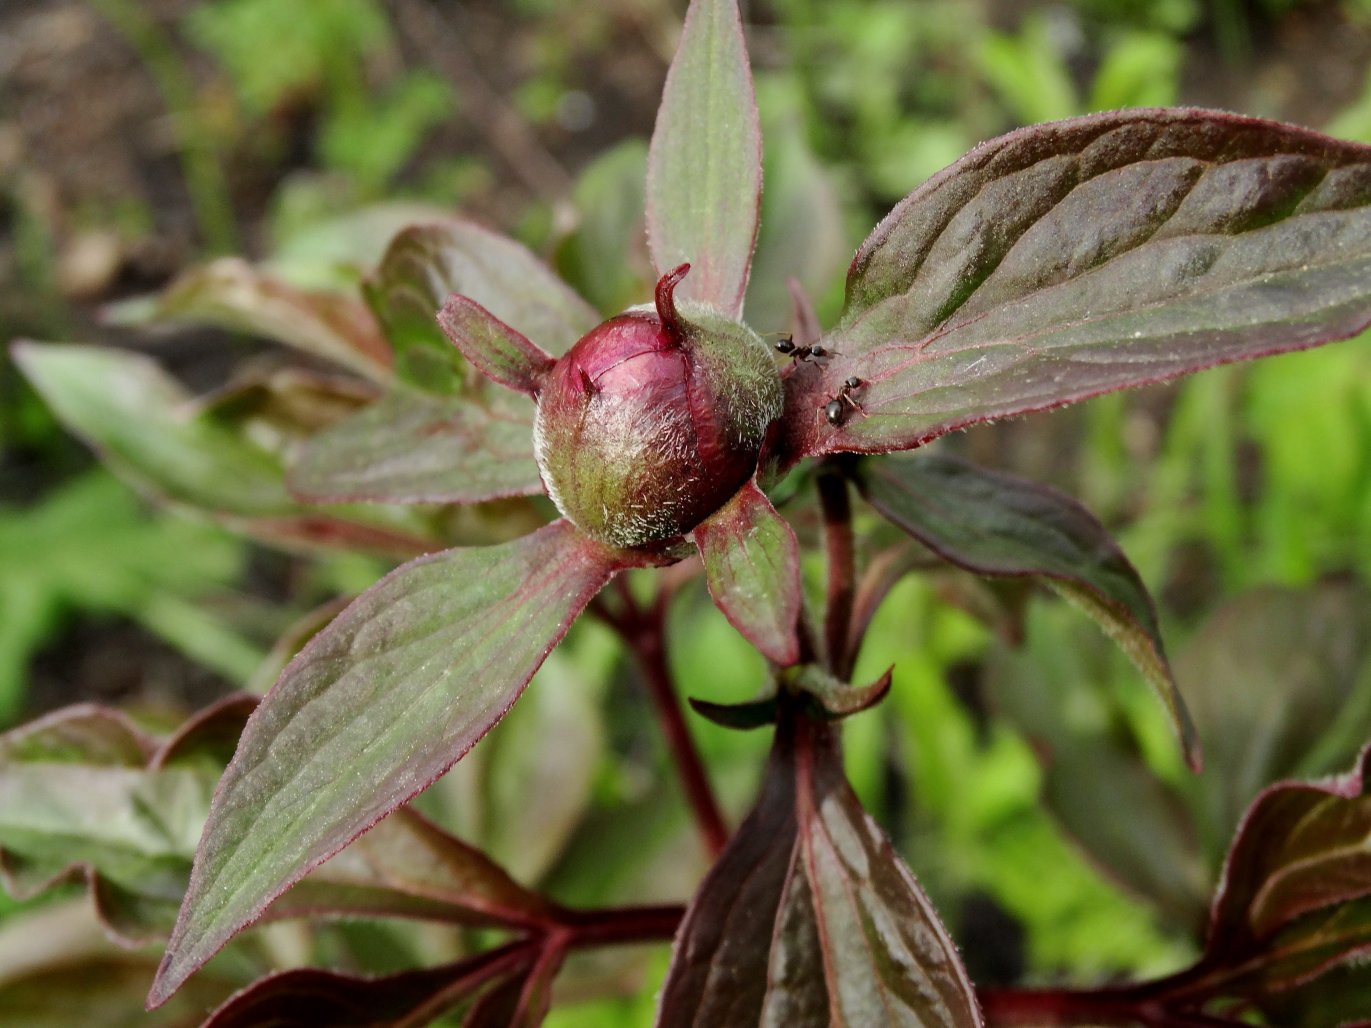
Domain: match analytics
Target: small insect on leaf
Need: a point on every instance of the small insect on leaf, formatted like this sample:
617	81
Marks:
835	410
787	345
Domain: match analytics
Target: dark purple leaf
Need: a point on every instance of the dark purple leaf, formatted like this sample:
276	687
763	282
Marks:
425	264
718	975
416	447
1075	258
376	707
232	294
307	998
752	565
704	167
501	353
810	916
997	525
1295	897
741	716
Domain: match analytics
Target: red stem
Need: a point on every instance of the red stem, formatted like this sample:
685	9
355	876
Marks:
1124	1007
838	541
644	632
622	925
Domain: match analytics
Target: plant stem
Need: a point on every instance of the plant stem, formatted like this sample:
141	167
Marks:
838	541
613	927
1123	1007
644	633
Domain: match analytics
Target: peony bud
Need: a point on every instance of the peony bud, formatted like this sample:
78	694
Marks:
654	419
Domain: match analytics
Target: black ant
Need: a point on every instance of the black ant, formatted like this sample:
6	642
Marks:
835	410
786	345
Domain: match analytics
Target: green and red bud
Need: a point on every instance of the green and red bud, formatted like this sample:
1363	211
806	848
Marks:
654	419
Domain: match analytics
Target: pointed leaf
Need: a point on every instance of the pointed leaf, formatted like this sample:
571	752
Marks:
1079	257
718	963
502	354
704	167
417	447
146	427
752	565
425	264
810	917
741	716
997	525
376	707
307	997
833	698
230	293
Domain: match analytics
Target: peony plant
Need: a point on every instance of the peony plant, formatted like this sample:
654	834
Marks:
1053	264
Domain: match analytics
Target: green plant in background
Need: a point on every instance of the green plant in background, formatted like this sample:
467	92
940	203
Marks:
1049	265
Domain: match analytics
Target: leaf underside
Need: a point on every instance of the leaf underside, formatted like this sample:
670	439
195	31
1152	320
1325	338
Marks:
809	916
376	707
704	170
997	525
1075	258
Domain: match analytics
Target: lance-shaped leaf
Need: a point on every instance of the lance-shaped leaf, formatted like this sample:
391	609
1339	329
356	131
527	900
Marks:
501	353
306	997
425	264
417	447
371	711
998	525
752	565
1070	259
704	167
232	294
810	917
146	427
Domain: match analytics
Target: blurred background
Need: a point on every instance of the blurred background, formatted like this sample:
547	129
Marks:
140	138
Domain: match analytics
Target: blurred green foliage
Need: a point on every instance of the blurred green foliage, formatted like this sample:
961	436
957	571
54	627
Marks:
1240	479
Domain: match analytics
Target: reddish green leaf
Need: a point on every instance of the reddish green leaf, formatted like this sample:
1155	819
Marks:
752	565
306	998
1071	259
146	427
502	354
232	294
376	707
704	167
834	698
809	916
417	447
406	866
997	525
425	264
